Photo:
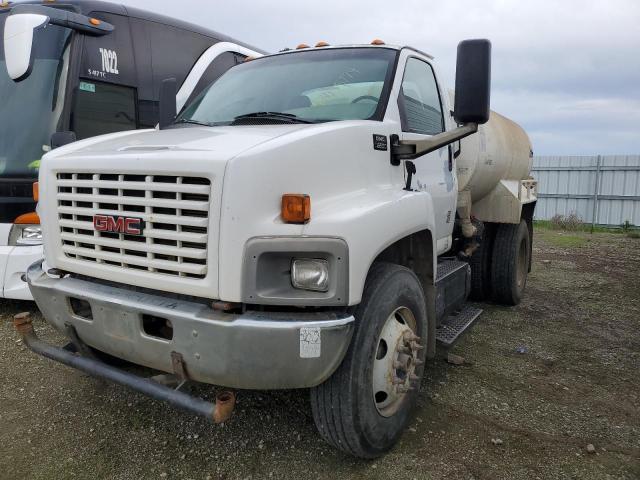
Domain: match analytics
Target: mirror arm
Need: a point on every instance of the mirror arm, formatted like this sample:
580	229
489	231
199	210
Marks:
412	149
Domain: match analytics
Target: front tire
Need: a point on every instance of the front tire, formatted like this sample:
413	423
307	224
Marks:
356	410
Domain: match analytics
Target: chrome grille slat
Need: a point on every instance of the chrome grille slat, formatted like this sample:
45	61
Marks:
149	233
135	201
157	187
86	253
153	218
129	245
175	210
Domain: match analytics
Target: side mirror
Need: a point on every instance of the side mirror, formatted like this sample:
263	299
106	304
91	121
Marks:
18	43
168	109
60	139
473	82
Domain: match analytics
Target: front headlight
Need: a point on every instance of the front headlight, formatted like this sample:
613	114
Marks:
310	274
25	235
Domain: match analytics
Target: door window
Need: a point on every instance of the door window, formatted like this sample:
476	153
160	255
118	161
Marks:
419	100
103	108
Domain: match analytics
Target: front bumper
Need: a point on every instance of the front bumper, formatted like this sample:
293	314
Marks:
253	350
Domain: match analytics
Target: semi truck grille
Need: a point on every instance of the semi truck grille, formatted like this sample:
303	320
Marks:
174	209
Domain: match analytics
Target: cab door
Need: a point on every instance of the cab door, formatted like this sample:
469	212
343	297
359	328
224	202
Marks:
421	112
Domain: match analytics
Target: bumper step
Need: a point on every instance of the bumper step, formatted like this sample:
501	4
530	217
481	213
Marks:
456	324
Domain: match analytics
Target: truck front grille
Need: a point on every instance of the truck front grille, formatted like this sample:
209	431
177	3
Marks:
175	211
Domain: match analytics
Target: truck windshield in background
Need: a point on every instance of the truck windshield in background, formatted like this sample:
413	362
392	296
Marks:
314	86
30	109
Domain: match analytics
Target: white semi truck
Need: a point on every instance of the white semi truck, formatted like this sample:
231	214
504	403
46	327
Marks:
314	219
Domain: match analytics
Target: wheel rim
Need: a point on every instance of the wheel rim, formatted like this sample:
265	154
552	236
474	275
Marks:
521	276
395	362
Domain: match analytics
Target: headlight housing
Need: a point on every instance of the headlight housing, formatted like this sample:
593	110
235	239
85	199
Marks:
296	271
25	235
310	274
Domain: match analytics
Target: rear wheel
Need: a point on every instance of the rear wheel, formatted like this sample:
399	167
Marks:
510	264
480	263
364	407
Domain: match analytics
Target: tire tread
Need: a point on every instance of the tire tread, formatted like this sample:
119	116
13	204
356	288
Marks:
333	416
504	261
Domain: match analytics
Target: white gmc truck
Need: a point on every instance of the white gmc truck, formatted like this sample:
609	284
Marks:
312	220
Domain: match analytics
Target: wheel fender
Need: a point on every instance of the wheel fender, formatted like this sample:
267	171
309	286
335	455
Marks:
369	224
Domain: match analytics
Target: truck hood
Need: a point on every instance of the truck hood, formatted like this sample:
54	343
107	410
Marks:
227	142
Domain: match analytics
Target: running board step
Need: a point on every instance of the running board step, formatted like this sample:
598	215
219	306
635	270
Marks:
456	324
453	284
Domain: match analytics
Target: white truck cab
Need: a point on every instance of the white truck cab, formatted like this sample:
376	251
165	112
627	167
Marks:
299	225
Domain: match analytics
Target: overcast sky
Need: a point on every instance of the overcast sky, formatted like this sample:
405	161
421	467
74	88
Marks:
566	70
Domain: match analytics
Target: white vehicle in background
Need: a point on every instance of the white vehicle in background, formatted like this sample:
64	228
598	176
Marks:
314	220
78	69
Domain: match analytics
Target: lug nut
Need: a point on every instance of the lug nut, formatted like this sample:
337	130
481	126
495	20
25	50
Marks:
402	362
405	389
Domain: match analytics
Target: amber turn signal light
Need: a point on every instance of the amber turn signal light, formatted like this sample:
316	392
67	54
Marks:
30	218
296	208
94	21
36	192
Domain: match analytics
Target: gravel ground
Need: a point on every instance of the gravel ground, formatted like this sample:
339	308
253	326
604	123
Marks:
540	383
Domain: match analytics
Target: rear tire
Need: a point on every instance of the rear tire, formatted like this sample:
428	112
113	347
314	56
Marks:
351	410
510	264
480	263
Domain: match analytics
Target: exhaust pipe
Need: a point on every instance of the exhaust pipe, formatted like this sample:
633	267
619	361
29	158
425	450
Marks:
217	412
225	403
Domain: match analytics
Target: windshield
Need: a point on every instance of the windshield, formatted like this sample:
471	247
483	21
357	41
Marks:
312	86
30	110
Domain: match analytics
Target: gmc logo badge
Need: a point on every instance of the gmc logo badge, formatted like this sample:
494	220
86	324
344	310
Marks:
126	225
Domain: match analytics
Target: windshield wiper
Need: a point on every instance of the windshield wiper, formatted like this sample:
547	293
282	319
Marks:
272	116
191	122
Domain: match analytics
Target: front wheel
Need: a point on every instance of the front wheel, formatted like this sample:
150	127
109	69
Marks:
364	407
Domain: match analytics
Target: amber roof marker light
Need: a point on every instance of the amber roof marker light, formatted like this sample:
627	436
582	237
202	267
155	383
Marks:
377	41
296	208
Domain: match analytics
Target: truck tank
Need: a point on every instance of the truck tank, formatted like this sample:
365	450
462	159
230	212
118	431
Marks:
501	150
493	169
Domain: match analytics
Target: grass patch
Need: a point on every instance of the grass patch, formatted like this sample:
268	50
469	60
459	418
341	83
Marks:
584	227
566	241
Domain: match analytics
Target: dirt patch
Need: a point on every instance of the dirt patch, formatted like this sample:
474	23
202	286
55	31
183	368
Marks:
540	382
